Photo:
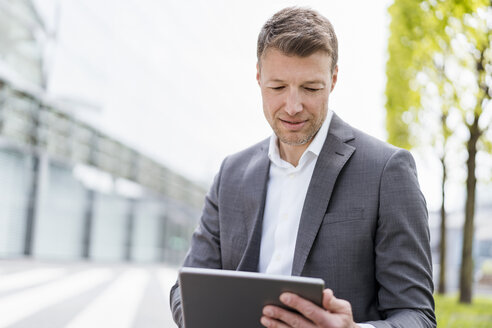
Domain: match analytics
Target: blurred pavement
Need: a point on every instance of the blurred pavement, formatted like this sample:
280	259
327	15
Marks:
50	294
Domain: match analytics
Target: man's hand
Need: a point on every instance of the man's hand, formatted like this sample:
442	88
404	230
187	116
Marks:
335	313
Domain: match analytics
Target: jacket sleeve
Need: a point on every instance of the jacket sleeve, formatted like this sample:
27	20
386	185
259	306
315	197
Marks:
402	248
205	245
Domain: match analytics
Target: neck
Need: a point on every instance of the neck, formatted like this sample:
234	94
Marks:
292	153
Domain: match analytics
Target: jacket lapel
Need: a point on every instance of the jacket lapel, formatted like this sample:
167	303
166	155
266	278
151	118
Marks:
333	156
252	202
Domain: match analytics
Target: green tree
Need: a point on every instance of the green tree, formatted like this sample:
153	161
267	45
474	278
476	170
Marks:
477	29
432	44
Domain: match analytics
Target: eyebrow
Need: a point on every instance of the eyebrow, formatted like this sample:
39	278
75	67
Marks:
306	82
315	82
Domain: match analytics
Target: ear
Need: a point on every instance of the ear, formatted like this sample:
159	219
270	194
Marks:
334	78
258	73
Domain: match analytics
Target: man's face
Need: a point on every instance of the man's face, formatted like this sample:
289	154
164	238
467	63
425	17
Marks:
295	93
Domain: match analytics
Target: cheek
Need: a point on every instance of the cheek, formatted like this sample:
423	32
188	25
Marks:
317	104
266	112
271	104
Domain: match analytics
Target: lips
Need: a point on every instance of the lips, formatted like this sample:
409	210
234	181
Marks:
293	125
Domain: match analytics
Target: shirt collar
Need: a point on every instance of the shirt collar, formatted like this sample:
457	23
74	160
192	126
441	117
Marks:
314	147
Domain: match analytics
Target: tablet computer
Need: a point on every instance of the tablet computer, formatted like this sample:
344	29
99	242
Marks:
213	298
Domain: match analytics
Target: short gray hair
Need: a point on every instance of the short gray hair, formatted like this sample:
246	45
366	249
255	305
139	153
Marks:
300	32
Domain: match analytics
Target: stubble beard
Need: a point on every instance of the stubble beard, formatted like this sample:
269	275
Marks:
297	138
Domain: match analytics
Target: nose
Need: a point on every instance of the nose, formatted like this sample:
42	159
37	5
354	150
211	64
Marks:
293	104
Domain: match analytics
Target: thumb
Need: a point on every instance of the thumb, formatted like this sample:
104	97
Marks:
335	305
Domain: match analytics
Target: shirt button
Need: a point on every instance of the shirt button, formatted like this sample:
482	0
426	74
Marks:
285	216
277	257
292	175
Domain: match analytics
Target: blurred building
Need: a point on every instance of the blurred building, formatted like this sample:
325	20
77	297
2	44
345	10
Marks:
482	247
22	40
67	190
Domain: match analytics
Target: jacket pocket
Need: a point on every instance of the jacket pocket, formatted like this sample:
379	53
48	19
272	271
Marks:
345	216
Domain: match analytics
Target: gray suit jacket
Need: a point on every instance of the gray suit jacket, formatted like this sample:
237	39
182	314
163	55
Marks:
363	227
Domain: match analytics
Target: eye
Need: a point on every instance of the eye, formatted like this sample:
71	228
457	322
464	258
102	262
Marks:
311	89
277	88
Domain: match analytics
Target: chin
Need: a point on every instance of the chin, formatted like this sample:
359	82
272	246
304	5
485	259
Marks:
295	141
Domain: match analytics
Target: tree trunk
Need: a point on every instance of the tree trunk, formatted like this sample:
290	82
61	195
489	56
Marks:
442	247
466	272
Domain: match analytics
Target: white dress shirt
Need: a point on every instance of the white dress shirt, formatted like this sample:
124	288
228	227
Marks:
287	188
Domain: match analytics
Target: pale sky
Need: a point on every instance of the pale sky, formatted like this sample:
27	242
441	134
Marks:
176	80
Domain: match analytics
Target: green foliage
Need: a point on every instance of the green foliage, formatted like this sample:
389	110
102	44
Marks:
487	146
451	314
401	45
420	30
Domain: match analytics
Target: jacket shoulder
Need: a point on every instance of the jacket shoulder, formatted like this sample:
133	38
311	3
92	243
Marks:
241	159
373	148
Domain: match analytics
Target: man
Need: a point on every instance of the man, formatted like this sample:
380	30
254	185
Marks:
319	198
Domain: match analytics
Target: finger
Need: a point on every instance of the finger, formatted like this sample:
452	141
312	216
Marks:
289	318
335	305
272	323
308	309
327	297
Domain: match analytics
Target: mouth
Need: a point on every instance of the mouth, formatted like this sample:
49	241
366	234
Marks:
293	125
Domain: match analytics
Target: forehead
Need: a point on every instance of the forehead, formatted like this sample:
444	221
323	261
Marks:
274	64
